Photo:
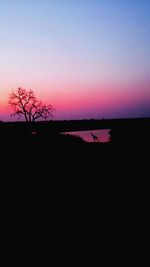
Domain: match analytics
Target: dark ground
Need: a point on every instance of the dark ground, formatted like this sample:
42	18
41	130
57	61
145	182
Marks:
62	183
41	143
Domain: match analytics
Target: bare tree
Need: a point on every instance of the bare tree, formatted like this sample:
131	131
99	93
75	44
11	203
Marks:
25	104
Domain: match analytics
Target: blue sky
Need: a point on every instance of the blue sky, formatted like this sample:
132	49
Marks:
70	51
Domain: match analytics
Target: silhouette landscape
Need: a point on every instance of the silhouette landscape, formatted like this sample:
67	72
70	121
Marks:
74	120
76	84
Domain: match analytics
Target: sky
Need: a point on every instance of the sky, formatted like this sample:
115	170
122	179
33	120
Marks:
87	58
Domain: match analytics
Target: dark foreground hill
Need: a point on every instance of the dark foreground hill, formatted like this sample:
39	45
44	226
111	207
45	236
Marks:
122	131
57	176
43	142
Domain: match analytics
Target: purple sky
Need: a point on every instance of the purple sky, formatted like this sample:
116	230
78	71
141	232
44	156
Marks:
88	58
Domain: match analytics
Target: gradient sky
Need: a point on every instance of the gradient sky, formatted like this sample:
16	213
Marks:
88	58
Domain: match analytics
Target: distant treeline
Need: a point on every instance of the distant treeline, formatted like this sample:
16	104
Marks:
122	130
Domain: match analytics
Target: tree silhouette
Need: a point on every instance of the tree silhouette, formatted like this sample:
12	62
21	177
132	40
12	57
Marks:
25	104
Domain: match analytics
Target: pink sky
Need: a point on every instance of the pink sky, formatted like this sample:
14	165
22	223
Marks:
89	59
76	101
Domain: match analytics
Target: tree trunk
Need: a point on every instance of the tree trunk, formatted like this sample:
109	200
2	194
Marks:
26	117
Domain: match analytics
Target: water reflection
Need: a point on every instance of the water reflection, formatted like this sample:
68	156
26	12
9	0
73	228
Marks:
102	136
